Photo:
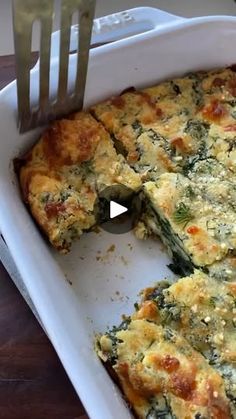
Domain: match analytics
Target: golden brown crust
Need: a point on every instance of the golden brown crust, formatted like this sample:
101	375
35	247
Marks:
63	174
153	362
70	142
194	115
202	310
118	114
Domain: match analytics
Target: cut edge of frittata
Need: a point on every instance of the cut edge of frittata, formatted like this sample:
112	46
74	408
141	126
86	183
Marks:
61	178
153	360
197	228
203	310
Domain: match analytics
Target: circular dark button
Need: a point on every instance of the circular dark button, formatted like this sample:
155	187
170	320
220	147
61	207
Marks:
118	209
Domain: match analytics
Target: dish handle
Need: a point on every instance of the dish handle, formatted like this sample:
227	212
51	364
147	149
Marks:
118	26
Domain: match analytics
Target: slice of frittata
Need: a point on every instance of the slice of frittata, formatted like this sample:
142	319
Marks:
219	110
160	373
203	310
132	120
214	181
64	173
197	229
165	127
201	116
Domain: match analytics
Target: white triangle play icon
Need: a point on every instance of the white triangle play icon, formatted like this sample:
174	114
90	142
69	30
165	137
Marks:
116	209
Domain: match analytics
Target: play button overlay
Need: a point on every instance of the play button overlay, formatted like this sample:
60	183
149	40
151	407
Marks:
118	209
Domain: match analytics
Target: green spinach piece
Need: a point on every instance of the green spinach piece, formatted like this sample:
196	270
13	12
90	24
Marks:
137	127
112	357
197	129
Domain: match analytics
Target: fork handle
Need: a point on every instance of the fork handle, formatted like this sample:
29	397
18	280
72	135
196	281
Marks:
118	26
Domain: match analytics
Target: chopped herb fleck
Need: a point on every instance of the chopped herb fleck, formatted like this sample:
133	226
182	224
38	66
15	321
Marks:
168	334
160	409
212	301
231	102
45	196
136	306
182	214
137	127
176	88
190	192
233	114
197	129
64	195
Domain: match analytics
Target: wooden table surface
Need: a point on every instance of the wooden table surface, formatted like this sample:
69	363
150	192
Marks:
33	383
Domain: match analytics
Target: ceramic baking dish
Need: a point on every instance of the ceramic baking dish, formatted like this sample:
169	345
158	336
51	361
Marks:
86	291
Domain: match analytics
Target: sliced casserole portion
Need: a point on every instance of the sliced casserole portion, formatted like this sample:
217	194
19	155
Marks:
156	128
201	117
167	126
160	373
133	121
62	176
219	110
198	231
215	182
203	310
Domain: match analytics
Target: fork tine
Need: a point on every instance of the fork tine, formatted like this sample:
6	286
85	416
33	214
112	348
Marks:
85	31
86	10
45	49
23	17
66	14
25	12
22	39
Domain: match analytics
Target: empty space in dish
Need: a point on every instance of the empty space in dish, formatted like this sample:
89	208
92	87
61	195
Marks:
107	272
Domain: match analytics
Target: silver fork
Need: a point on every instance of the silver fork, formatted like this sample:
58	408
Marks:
25	12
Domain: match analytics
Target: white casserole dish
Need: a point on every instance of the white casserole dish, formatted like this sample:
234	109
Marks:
77	295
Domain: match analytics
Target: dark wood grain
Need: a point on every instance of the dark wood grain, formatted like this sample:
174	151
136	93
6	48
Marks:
33	383
7	68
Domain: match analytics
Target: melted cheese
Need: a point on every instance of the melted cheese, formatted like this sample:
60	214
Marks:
191	217
153	362
203	310
65	172
184	117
